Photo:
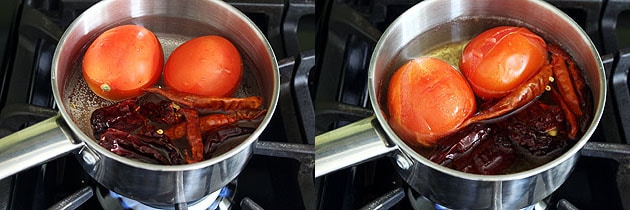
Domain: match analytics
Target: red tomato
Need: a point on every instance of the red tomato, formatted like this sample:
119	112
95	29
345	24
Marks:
122	61
207	65
502	58
427	99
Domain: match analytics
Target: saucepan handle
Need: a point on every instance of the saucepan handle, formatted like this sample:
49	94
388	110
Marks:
34	145
350	145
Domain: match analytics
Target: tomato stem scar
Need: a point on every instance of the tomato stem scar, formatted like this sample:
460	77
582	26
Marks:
105	87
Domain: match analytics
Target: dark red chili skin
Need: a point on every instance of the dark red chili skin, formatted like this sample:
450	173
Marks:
193	135
137	128
530	129
165	112
494	148
488	157
143	148
121	116
457	145
215	137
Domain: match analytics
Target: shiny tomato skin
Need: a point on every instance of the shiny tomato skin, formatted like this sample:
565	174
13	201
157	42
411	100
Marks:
501	59
427	99
122	61
207	65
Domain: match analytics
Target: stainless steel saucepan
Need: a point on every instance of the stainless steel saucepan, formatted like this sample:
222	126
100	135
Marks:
432	23
173	22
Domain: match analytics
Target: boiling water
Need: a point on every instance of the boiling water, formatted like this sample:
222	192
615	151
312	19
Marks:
80	101
447	43
451	53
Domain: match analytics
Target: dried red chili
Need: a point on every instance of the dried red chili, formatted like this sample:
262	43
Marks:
193	135
163	132
147	149
214	138
165	112
122	116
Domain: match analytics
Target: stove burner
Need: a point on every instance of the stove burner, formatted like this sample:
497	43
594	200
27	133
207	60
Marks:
218	200
419	202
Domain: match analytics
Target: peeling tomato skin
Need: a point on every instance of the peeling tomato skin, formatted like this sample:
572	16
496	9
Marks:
501	59
122	61
428	99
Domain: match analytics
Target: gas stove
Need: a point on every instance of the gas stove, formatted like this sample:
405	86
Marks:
324	49
277	176
349	33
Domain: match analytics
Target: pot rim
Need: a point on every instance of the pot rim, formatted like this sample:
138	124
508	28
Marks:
93	146
405	149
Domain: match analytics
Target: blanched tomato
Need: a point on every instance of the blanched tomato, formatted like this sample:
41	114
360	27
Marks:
427	99
502	58
122	61
207	65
